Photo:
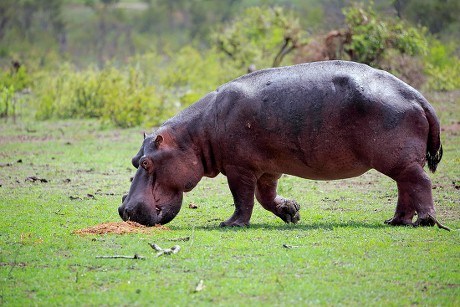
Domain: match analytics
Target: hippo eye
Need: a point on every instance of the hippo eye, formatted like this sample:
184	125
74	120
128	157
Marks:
146	164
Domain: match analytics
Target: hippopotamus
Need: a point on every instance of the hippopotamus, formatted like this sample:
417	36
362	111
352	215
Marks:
324	121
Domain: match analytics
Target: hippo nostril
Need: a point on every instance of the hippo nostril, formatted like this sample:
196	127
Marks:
124	213
121	212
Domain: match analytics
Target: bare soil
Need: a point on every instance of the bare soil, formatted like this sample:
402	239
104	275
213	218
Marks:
118	228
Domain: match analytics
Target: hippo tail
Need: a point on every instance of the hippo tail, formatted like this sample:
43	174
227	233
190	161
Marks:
434	146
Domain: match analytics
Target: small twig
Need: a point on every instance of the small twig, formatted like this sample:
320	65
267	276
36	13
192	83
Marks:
168	251
136	256
155	247
290	246
173	250
180	239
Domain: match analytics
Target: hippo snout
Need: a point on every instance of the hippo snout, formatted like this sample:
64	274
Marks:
138	212
149	214
124	214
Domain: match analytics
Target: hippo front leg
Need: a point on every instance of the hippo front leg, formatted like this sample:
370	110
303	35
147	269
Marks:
242	184
286	209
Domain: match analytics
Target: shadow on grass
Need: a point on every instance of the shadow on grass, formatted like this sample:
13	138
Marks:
291	227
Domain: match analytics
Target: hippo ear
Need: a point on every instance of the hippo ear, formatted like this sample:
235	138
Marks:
158	141
145	135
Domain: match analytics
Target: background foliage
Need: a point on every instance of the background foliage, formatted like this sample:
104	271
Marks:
138	62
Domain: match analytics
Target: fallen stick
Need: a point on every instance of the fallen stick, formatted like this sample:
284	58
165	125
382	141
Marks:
136	256
180	239
290	246
168	251
155	247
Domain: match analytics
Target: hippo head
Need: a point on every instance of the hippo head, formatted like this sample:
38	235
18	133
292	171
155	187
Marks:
165	170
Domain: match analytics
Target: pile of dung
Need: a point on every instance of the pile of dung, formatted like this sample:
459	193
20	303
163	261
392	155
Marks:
118	228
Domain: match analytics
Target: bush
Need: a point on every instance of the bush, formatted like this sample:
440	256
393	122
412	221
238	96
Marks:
120	97
12	83
442	67
7	105
147	91
372	36
260	36
406	67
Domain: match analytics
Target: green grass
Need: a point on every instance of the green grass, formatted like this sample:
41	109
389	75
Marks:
343	254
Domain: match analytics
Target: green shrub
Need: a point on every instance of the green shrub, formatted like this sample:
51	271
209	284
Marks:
372	36
127	100
12	82
148	90
442	67
260	36
120	97
406	67
7	106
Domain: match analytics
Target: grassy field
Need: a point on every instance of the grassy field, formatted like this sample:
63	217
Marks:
340	253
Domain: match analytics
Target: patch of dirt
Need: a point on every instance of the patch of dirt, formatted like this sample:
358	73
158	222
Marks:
453	128
25	139
118	228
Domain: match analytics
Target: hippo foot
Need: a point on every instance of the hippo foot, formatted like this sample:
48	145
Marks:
397	221
233	224
429	220
288	211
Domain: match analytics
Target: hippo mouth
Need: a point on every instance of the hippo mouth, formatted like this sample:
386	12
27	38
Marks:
149	214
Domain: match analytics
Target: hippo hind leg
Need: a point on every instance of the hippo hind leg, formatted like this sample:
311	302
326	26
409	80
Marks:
414	197
286	209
